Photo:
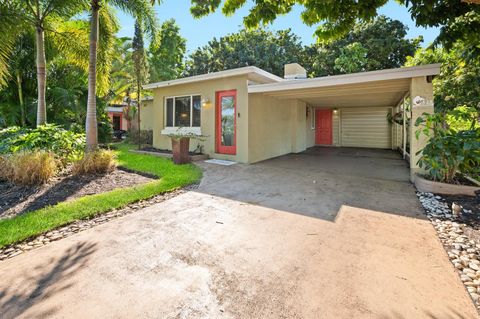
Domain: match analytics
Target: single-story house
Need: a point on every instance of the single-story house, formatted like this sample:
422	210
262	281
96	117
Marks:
249	115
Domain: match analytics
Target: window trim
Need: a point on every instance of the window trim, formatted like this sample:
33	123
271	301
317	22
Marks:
173	113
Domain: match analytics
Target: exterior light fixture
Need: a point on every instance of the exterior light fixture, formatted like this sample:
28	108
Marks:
205	101
335	110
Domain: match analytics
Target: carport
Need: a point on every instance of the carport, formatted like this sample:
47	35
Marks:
368	109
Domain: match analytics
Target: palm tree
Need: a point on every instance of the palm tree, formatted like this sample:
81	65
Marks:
140	65
141	10
14	15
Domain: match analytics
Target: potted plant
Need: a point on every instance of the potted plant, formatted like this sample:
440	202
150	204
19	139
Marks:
449	155
181	145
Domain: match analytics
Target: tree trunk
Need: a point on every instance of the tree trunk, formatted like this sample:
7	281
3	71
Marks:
41	76
91	120
138	117
20	98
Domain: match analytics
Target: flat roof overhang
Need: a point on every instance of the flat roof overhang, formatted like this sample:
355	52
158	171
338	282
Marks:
253	73
375	88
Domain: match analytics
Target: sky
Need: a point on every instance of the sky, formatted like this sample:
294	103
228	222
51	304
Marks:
199	31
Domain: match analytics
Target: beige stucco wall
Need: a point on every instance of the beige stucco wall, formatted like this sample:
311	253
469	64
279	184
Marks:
419	87
276	127
147	119
206	89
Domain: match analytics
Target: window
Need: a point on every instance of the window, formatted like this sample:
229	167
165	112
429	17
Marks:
183	111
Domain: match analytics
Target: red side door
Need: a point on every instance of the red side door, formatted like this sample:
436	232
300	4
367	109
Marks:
323	125
226	122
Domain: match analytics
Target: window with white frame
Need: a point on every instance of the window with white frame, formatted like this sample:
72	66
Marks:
183	111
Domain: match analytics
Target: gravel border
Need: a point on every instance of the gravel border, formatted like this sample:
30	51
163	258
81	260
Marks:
14	250
463	251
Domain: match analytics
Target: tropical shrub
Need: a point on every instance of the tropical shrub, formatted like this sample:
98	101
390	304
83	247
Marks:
28	167
65	145
105	129
98	162
449	150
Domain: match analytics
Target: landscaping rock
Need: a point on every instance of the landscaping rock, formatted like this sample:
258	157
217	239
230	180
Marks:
463	248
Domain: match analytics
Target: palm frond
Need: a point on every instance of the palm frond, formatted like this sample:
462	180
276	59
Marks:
141	10
12	23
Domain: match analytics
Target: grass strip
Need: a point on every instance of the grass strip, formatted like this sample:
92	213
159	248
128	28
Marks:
39	221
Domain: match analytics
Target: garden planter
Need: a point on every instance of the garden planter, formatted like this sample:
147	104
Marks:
180	148
427	186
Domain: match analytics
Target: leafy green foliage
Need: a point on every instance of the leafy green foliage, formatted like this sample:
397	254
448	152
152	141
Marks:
139	56
265	49
449	150
334	19
379	44
353	58
66	145
459	81
166	53
375	45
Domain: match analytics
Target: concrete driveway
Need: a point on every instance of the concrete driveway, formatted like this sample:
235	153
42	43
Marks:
237	248
319	181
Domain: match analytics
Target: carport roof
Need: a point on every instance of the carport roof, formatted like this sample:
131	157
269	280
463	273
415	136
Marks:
374	88
252	72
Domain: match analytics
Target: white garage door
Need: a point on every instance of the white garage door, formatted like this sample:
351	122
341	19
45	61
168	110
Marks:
365	127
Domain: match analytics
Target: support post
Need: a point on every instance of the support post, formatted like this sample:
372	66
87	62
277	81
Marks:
421	96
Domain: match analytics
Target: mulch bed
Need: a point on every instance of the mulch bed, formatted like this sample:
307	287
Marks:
16	200
472	220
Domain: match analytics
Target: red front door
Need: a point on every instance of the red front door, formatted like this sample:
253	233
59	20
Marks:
323	125
226	131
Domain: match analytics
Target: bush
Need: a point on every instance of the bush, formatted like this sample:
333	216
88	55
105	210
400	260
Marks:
448	150
67	146
98	162
105	129
6	169
28	168
146	137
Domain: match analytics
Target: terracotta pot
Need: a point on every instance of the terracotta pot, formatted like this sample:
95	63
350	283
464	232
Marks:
180	147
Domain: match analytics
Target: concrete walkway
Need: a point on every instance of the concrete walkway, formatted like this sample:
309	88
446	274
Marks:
202	255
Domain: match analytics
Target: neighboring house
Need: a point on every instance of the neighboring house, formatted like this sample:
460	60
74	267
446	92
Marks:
249	115
115	113
119	121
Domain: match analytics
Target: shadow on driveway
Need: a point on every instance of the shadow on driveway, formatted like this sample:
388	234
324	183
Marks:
318	182
14	301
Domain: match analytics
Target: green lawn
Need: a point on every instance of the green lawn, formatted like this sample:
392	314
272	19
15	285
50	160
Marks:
36	222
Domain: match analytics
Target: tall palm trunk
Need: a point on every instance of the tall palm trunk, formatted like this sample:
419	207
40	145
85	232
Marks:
91	121
20	98
41	76
138	114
